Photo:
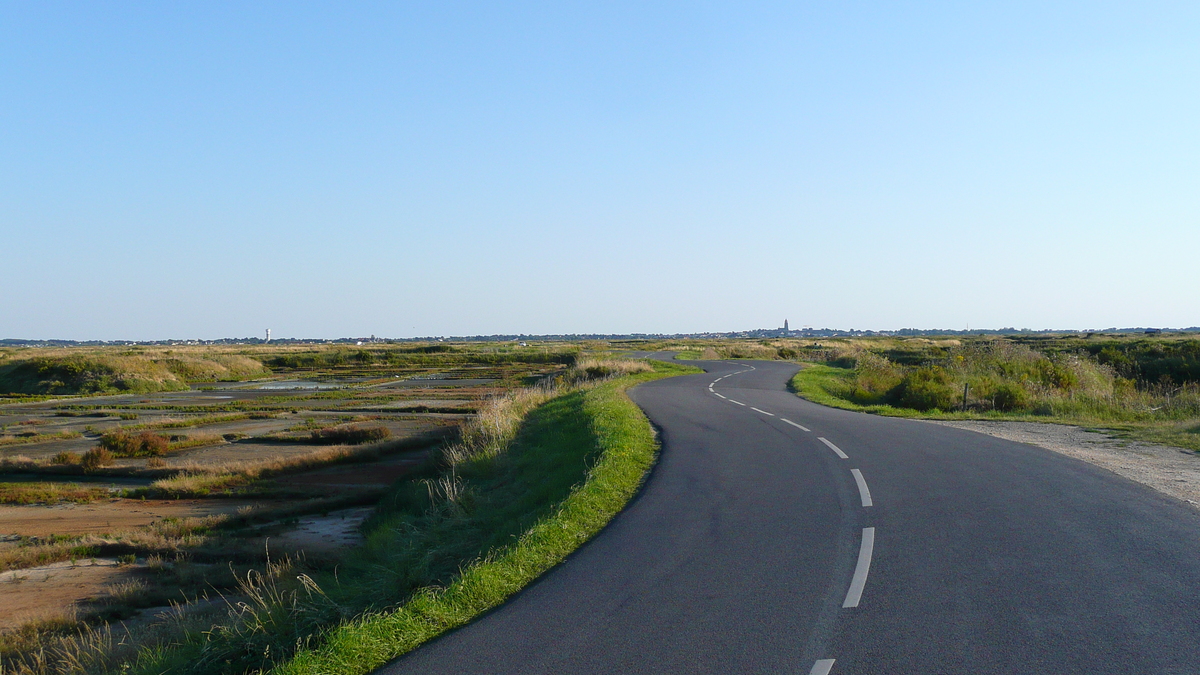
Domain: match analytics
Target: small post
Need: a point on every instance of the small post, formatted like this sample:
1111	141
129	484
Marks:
966	386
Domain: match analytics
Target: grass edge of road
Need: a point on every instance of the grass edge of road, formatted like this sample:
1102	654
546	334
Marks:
810	384
628	450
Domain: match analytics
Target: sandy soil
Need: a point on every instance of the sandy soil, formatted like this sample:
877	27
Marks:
103	517
324	533
1172	471
53	590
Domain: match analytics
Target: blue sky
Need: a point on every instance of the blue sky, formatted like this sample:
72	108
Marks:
200	170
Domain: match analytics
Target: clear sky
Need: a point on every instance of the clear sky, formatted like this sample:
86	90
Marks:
206	169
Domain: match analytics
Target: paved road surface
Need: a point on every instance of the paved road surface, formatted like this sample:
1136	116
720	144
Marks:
778	536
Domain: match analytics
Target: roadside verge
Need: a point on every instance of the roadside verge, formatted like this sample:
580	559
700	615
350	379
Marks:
625	449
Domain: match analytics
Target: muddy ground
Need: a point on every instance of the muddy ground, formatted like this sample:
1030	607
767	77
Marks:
282	413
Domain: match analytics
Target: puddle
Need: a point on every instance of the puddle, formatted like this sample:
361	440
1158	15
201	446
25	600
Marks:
297	384
332	531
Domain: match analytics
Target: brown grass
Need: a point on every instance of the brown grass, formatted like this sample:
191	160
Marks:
204	479
49	493
194	441
96	458
124	444
36	554
65	458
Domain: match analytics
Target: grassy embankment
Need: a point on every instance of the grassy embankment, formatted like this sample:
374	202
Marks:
1146	391
102	372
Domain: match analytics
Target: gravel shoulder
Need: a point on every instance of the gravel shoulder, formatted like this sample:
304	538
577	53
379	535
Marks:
1171	471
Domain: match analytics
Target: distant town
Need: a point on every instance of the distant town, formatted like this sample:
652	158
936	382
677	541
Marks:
757	333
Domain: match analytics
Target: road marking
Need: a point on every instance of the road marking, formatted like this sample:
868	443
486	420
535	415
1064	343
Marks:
861	569
737	402
833	448
762	411
822	667
798	426
862	487
718	394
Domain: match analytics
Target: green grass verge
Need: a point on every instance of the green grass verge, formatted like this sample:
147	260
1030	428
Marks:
820	384
688	355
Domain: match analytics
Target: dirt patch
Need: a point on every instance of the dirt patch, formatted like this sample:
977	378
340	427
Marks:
47	449
349	475
104	517
1172	471
329	532
54	590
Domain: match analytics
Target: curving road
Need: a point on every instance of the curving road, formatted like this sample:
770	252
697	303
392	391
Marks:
778	536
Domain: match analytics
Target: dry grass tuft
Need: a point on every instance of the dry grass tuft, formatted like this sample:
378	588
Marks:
96	458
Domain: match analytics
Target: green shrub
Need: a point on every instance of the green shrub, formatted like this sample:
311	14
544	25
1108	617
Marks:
1008	397
874	377
925	389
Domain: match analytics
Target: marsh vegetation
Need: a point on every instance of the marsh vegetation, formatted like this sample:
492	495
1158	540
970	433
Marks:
158	507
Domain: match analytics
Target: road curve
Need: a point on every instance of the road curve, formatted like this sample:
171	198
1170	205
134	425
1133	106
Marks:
778	536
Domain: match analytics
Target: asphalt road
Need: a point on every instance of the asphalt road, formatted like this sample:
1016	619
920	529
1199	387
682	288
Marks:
756	547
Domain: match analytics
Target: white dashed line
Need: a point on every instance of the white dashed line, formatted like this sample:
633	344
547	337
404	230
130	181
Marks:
737	402
762	411
862	487
718	394
798	426
822	667
834	448
861	569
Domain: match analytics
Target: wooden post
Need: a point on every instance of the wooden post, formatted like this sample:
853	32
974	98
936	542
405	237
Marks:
964	405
